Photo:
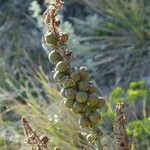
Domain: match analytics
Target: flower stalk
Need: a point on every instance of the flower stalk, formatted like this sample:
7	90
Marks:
121	138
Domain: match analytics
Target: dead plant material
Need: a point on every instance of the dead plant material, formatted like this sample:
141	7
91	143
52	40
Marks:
38	142
121	137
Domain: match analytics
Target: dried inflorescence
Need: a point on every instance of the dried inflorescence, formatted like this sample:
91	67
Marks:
80	94
38	142
121	137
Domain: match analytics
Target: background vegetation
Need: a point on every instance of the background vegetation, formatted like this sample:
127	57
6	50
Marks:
111	39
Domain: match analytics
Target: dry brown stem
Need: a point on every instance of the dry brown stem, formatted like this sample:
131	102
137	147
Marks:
121	138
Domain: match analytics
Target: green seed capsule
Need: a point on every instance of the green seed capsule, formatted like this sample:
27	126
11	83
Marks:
83	73
95	117
92	88
70	93
69	103
69	83
79	107
50	38
84	122
101	102
62	66
82	97
84	85
55	57
93	100
58	76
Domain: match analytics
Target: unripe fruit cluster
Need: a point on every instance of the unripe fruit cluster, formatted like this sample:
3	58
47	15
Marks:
78	91
80	94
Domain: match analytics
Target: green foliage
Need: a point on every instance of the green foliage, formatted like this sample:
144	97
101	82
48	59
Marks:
117	95
136	90
139	128
2	142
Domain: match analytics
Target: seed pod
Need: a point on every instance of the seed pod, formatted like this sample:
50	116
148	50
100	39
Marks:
64	37
55	57
62	66
75	76
90	138
53	12
84	85
57	148
68	52
57	22
84	122
79	107
92	88
69	83
82	97
101	102
92	100
50	38
58	76
69	103
70	93
95	117
44	139
83	73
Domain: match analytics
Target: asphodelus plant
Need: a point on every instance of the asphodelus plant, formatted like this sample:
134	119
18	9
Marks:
79	92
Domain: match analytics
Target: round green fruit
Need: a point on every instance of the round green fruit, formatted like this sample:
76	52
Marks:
69	103
70	93
95	117
83	73
84	122
90	138
93	100
69	83
55	57
84	85
82	97
92	88
79	107
58	76
62	66
101	102
50	38
75	76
